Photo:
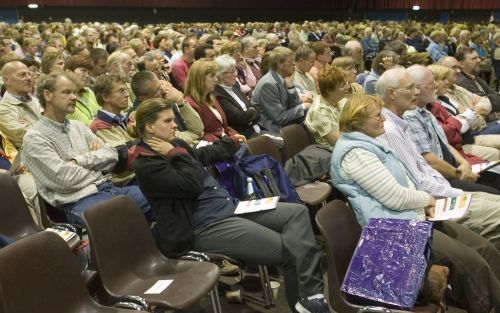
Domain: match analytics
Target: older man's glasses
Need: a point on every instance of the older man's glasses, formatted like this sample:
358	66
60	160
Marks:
410	89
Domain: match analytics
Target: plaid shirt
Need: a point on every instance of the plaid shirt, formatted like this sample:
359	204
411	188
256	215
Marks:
425	131
48	151
428	179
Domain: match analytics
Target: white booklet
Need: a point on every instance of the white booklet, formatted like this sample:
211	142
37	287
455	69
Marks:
481	167
451	208
256	205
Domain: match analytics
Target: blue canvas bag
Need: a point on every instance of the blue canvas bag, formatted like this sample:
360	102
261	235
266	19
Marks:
268	175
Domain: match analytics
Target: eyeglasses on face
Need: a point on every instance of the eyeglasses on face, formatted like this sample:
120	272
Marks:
410	89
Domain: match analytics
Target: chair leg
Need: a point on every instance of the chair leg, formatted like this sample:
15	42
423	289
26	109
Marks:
214	299
266	286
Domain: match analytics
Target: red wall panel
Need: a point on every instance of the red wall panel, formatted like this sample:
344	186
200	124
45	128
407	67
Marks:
310	4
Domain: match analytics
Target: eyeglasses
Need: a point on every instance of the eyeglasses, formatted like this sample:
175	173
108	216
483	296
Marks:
122	91
379	116
232	73
411	89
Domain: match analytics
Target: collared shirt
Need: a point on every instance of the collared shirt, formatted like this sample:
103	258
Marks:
425	131
428	179
51	150
322	119
370	82
120	119
305	82
436	51
467	99
16	116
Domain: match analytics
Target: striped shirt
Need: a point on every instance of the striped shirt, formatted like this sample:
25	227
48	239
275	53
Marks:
48	151
366	169
428	179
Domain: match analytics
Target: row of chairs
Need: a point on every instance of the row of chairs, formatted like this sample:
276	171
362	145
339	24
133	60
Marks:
40	273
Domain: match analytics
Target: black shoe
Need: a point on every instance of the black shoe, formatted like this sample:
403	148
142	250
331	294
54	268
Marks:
313	304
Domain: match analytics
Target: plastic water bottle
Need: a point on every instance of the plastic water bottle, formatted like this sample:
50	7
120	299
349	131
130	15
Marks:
250	190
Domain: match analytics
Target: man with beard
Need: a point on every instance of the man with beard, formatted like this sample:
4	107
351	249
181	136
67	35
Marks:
121	64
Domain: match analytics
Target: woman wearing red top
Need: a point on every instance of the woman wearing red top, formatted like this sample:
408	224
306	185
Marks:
200	85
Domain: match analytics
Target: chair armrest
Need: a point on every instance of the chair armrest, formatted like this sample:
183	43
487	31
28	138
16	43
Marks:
133	303
374	309
69	227
195	256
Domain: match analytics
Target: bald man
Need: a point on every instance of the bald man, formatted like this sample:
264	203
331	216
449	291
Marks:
18	110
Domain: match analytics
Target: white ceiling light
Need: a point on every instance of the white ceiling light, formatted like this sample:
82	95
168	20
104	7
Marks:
33	6
415	8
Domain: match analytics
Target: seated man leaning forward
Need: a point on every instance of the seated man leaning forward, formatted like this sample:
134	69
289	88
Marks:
67	160
194	211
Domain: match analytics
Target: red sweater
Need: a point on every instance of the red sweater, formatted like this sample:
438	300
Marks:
451	127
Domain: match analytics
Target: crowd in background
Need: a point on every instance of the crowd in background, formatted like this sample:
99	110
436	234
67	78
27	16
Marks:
91	110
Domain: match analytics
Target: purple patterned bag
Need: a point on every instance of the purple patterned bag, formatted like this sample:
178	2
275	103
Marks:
389	263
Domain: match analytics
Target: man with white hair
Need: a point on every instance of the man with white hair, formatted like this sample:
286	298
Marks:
463	39
454	246
251	54
354	49
121	64
430	138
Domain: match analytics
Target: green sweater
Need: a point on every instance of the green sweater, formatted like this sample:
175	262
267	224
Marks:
86	107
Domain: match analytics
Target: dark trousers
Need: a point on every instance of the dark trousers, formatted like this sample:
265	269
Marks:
474	266
467	186
281	237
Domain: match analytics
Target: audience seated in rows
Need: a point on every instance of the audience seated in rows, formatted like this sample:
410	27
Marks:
378	186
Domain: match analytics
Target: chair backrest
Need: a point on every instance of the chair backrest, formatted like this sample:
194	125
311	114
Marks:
121	241
296	138
39	273
264	145
341	231
15	218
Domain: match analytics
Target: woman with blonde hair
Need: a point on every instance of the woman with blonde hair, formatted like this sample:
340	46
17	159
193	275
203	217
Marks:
199	93
465	129
347	65
378	185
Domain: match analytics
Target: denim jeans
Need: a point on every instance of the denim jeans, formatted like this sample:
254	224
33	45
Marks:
106	191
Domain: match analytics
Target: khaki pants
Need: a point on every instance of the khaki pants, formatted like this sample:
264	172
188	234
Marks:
482	151
483	217
30	193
